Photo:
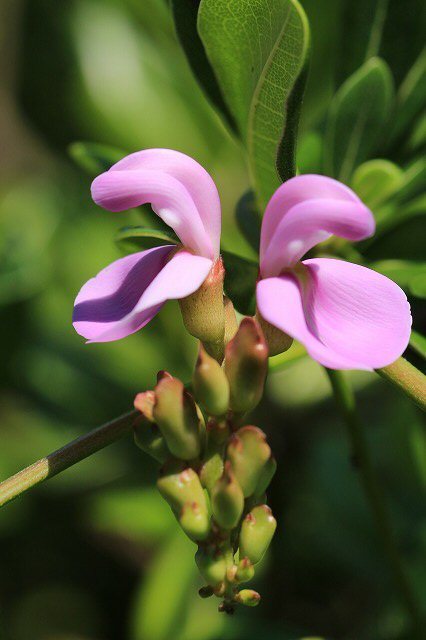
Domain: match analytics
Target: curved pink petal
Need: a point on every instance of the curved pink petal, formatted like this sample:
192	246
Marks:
128	293
348	317
307	210
191	174
119	190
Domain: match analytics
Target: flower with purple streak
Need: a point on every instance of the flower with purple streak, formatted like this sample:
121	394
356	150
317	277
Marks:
128	293
347	316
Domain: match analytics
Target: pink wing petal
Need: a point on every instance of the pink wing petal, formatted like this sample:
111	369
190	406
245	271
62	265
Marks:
128	293
119	190
348	317
191	174
307	210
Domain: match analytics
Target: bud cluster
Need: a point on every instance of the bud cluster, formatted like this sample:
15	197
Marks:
214	472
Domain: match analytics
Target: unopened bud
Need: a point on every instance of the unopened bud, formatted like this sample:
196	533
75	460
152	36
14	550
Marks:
227	499
180	486
277	340
203	311
146	433
266	476
195	521
231	322
245	571
212	566
212	467
247	597
256	533
176	414
248	453
246	365
210	384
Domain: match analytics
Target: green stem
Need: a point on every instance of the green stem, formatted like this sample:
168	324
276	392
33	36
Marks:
59	460
377	29
345	400
409	379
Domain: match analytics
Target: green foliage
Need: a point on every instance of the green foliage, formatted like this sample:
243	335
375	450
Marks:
376	181
259	54
240	281
131	239
248	219
94	158
357	118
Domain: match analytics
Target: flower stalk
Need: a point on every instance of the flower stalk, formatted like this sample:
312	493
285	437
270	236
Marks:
66	456
345	401
406	377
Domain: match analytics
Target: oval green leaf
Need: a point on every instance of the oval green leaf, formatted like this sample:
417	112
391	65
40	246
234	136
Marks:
259	53
357	118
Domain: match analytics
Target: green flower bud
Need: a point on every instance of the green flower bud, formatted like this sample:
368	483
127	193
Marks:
180	486
245	571
176	414
212	566
231	322
210	384
266	476
246	366
277	340
248	453
203	312
212	467
256	533
195	521
146	433
247	597
227	499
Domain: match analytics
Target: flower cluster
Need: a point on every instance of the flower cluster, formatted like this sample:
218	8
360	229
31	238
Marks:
214	472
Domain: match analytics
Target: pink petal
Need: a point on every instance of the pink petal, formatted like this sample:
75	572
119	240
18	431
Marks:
348	317
128	293
119	190
304	211
192	175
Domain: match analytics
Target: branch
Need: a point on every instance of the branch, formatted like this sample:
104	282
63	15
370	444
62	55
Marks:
345	400
70	454
409	379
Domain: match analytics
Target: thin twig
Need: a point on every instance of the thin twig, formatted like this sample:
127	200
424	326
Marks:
345	400
70	454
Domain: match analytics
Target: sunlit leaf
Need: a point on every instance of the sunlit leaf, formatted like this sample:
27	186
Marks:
240	282
131	239
375	181
258	51
357	118
94	158
185	13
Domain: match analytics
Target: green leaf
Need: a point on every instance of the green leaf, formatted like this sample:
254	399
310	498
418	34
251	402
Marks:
94	158
240	282
161	603
418	343
376	181
249	220
185	13
131	239
357	118
410	100
259	52
409	274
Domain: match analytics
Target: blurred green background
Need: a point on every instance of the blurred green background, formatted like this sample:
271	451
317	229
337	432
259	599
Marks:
95	554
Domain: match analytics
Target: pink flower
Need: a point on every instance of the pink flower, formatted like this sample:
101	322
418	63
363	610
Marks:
128	293
347	316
